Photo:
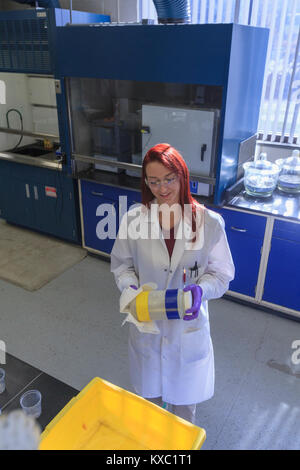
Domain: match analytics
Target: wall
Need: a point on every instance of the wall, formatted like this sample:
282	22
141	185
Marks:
275	151
17	97
35	99
119	10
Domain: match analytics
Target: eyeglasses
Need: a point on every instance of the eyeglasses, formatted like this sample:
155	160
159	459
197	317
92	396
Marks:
157	184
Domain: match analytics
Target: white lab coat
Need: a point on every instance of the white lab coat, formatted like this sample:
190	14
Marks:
178	363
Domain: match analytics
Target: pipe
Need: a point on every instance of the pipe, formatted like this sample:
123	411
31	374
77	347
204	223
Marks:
37	135
71	8
173	11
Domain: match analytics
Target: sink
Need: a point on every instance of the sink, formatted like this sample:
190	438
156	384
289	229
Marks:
32	150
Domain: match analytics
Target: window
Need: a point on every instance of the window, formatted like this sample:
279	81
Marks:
279	112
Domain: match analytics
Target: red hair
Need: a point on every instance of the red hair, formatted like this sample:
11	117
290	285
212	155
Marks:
173	161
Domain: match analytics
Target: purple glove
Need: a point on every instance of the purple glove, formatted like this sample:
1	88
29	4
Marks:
197	296
133	287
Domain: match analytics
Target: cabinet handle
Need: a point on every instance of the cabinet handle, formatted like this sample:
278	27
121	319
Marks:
36	194
27	190
239	229
203	149
94	193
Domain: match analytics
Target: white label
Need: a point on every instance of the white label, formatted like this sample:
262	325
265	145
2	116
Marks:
50	192
41	14
178	116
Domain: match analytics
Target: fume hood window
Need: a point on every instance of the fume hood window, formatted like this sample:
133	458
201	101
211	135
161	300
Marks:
121	119
27	103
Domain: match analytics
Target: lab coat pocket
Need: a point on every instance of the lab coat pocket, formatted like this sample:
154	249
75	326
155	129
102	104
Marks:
195	266
195	344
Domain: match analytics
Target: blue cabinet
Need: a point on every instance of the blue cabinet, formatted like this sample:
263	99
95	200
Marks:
39	199
3	190
282	285
245	234
102	206
54	207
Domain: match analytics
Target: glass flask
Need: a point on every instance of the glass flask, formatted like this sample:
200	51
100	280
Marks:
289	176
260	178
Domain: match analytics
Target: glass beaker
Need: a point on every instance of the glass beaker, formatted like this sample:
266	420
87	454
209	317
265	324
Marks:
2	380
31	403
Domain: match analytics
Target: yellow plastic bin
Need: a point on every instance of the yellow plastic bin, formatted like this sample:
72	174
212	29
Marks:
104	416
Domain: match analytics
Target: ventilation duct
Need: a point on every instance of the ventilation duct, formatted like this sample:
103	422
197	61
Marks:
173	11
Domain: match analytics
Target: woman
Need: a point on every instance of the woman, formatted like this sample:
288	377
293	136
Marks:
175	366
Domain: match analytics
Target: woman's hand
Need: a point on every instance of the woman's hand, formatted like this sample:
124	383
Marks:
197	292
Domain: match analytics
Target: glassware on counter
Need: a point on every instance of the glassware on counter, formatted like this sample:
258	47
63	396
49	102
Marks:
260	178
289	176
31	403
2	381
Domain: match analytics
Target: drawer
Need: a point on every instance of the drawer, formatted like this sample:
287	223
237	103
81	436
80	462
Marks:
286	230
98	190
243	222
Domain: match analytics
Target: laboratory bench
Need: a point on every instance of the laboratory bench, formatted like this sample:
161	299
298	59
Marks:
281	205
21	377
49	160
264	237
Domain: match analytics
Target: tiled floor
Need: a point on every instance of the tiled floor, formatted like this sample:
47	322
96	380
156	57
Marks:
71	329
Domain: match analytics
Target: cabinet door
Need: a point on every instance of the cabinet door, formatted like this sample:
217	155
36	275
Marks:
246	254
100	219
3	190
282	285
101	213
53	210
19	203
245	234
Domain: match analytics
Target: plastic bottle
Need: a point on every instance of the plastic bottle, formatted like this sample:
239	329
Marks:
169	304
